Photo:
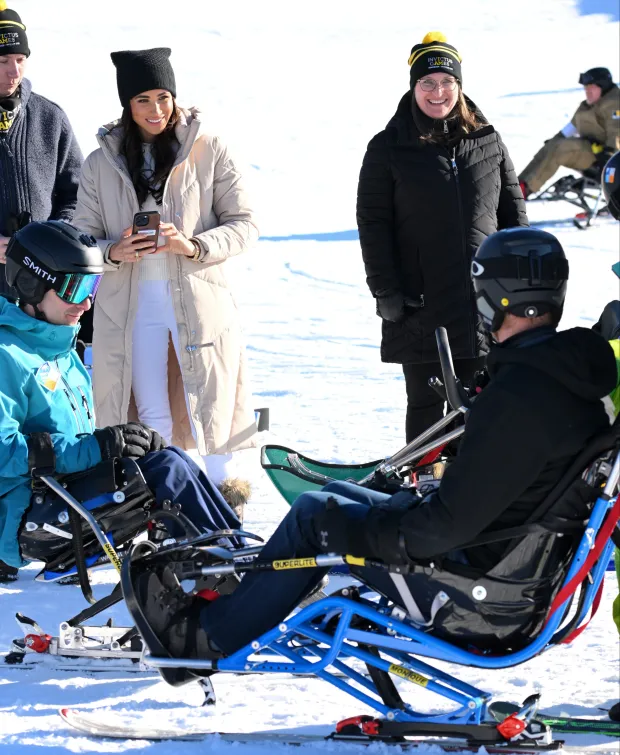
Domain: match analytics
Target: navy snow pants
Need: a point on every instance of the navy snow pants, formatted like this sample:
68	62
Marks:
172	476
266	598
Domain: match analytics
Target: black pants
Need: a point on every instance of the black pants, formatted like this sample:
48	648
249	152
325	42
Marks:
424	405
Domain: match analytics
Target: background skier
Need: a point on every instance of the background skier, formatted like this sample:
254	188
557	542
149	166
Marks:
587	141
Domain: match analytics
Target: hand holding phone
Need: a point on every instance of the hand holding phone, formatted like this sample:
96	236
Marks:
146	224
138	240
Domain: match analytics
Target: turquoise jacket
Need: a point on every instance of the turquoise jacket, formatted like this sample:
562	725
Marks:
43	388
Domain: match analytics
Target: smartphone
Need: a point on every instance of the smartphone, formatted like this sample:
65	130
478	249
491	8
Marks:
147	224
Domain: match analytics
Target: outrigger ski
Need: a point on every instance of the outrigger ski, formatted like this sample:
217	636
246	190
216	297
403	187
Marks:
91	723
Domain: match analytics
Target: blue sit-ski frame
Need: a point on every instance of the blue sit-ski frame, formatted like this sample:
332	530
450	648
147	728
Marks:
314	651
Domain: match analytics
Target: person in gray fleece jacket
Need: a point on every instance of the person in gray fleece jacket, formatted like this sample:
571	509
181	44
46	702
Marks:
40	159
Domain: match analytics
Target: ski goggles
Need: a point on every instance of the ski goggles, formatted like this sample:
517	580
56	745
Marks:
585	79
76	288
598	76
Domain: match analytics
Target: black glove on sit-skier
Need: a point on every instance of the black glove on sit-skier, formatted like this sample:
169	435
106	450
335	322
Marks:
133	439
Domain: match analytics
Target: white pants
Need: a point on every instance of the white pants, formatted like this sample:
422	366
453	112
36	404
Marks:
155	323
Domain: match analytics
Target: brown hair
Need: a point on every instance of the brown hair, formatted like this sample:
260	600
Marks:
164	154
464	119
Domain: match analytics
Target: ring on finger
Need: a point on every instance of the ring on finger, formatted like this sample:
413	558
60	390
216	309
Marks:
137	255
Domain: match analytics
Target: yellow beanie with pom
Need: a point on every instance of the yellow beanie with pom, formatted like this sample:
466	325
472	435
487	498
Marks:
13	39
434	55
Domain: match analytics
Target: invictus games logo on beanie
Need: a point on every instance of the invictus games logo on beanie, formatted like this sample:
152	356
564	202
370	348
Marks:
439	62
13	38
443	58
9	38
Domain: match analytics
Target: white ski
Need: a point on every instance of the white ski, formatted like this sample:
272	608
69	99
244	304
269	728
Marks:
94	724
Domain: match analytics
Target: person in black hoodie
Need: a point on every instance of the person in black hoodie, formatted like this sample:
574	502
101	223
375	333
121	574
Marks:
541	407
433	185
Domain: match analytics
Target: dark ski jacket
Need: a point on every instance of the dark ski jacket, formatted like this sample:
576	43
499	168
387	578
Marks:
422	212
541	407
40	163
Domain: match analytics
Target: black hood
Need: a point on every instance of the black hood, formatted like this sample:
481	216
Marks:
579	359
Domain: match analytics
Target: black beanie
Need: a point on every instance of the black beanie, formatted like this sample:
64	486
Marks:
13	39
142	70
434	55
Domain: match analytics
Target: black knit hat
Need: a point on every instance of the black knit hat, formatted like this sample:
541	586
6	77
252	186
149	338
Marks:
142	70
13	39
434	55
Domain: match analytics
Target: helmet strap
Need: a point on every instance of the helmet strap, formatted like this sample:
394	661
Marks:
38	314
498	320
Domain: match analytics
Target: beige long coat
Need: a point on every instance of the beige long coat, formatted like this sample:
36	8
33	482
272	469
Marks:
204	198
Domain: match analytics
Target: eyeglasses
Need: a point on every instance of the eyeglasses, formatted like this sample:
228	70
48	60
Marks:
77	287
429	85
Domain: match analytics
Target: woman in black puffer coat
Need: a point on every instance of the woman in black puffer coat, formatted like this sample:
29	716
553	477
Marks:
434	184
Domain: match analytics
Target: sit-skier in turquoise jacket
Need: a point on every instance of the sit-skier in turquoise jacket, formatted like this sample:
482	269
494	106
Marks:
46	405
43	388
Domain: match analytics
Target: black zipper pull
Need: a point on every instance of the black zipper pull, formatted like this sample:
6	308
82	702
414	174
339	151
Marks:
73	407
85	404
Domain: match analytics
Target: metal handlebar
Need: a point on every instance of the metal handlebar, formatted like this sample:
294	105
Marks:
457	398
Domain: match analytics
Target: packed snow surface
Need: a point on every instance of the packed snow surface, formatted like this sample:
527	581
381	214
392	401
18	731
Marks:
297	91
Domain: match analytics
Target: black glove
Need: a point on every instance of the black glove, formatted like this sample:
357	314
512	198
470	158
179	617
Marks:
157	442
133	439
608	325
376	535
392	305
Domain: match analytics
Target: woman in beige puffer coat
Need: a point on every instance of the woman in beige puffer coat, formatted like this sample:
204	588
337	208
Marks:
167	345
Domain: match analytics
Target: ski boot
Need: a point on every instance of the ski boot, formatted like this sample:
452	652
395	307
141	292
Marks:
7	573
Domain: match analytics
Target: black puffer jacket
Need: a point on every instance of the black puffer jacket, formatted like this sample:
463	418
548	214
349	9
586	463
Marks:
422	212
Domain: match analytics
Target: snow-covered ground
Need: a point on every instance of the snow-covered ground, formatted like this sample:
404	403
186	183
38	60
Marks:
298	90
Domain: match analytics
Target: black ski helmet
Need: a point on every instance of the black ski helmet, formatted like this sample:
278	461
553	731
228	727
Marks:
610	183
522	271
599	76
50	255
